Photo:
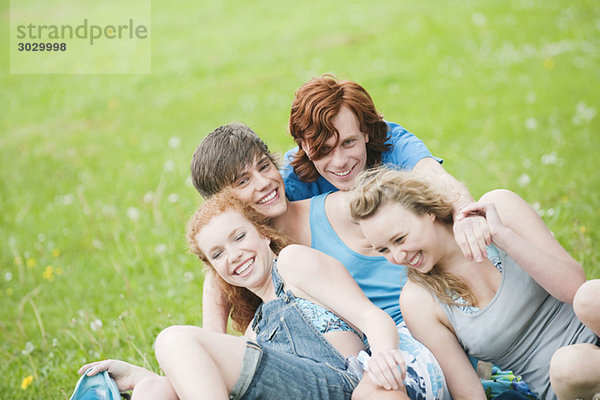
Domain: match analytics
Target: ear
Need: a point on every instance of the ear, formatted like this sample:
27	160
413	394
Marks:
366	137
431	217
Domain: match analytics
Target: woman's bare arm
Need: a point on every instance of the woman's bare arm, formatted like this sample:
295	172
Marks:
426	321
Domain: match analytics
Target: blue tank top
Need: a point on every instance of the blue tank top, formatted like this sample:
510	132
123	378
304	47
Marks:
380	280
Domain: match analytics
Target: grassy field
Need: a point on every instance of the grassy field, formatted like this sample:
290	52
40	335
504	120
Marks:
94	185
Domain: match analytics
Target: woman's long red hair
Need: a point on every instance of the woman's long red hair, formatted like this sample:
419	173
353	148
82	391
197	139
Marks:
243	302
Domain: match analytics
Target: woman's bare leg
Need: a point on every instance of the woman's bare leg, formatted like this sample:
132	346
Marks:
587	305
198	362
367	390
575	371
154	387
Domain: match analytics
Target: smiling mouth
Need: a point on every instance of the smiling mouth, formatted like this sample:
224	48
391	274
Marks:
416	259
343	173
244	267
268	197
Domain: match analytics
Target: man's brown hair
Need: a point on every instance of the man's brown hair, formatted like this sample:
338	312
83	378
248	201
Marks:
223	154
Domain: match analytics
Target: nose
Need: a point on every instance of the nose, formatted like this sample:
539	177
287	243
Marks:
338	158
260	182
234	254
398	255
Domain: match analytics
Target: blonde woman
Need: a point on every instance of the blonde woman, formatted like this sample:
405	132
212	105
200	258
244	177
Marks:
525	308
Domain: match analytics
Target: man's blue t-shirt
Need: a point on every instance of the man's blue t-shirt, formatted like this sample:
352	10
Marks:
406	151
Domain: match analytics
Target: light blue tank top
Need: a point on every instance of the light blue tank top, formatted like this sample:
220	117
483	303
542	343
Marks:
380	280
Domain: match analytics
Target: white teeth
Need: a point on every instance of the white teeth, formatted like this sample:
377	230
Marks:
240	270
268	197
343	173
415	260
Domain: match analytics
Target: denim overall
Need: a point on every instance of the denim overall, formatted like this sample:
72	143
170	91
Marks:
290	358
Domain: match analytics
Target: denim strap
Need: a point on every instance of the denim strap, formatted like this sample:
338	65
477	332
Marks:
278	283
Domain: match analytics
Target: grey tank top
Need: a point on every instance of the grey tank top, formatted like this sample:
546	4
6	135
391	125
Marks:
520	328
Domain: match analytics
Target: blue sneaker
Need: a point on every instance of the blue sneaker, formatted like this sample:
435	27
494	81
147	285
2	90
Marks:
98	387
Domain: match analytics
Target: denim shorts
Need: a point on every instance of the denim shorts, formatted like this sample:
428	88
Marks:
273	374
290	358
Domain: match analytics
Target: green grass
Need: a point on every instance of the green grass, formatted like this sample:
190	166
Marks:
95	191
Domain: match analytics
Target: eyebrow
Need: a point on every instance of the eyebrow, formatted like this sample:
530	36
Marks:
262	160
391	239
243	172
231	235
351	137
339	141
379	248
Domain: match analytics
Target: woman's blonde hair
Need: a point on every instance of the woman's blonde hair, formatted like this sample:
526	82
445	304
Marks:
377	187
243	302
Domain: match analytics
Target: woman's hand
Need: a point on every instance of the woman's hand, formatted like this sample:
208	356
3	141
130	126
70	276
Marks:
487	211
472	234
126	375
387	369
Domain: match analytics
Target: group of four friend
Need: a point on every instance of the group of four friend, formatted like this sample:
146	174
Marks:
333	267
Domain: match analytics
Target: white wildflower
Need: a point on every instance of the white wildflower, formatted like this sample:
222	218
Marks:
413	26
64	200
148	197
393	88
160	248
524	180
133	213
174	142
109	210
583	113
248	103
531	123
169	165
549	158
478	19
96	324
29	347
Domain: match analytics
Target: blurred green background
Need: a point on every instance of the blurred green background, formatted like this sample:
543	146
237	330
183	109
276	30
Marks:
94	186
